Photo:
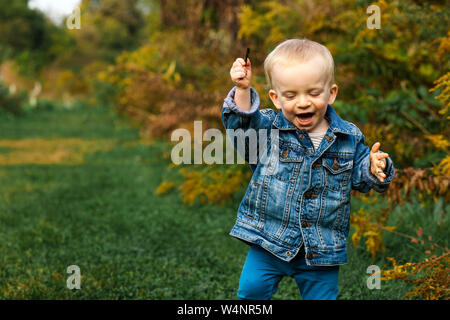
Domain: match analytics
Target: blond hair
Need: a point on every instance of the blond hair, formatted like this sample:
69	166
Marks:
293	51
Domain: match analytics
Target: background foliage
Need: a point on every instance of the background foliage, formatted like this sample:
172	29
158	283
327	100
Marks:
163	65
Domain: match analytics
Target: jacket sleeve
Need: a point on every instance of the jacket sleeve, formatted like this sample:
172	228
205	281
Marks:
362	179
248	140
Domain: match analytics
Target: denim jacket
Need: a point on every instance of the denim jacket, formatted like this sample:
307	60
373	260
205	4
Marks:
303	197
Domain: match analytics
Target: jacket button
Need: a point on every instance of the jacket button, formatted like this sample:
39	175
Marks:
288	253
335	164
285	153
308	195
301	136
309	256
304	224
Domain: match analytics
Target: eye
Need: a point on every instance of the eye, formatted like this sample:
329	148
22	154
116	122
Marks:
290	96
315	94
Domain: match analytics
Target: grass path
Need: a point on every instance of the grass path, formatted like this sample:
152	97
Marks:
94	206
77	187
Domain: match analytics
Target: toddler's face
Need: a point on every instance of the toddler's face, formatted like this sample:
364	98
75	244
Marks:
303	93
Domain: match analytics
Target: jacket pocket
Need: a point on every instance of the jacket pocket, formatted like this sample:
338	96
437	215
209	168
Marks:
289	161
337	172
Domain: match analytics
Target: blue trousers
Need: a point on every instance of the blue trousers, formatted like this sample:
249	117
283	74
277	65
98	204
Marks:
263	271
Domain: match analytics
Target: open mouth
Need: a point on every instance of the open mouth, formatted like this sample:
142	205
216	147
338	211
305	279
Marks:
305	118
306	115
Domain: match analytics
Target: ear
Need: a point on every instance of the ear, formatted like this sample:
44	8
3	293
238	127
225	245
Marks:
274	97
333	93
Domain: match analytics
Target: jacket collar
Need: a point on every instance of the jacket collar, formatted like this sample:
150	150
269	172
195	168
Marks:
336	122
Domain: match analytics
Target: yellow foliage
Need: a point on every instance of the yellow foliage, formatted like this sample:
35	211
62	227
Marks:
430	278
247	30
438	141
164	187
277	17
216	186
443	83
370	226
443	168
50	151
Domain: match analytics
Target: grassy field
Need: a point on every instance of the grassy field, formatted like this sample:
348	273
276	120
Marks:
77	187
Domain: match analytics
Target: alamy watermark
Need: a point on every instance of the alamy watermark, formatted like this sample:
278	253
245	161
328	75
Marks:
74	20
374	20
251	145
74	280
374	280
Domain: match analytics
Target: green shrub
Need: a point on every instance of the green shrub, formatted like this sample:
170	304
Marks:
11	102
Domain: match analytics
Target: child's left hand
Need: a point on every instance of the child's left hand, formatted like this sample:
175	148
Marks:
377	161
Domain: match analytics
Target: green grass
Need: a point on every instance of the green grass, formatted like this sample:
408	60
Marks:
104	216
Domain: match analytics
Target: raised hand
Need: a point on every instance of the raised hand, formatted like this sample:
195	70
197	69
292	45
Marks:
241	74
378	161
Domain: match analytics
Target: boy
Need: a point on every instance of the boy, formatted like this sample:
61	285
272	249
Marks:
295	213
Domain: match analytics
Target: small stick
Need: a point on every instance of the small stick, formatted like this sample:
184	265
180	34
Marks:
246	56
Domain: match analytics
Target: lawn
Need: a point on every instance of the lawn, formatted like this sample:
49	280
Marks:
77	187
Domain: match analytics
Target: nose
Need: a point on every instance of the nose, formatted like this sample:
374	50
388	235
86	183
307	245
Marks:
302	101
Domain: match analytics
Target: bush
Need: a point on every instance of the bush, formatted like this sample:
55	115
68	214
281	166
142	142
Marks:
11	102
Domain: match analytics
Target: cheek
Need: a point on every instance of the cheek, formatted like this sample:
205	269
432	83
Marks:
289	105
321	102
